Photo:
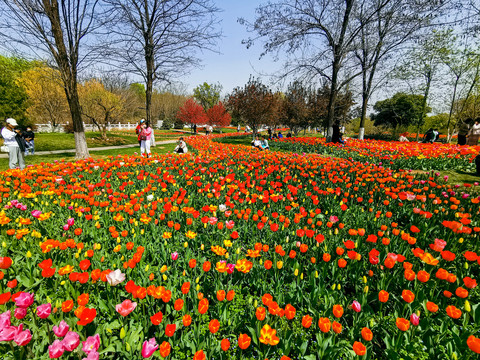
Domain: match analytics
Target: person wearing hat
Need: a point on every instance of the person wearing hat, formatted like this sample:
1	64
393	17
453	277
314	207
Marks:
138	130
15	153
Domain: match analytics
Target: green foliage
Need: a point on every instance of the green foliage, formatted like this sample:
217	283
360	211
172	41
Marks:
207	95
400	110
438	121
13	98
138	89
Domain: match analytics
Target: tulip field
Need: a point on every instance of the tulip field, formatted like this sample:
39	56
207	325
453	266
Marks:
393	154
229	252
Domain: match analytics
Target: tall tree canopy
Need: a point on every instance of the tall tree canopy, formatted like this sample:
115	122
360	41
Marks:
158	40
399	110
207	95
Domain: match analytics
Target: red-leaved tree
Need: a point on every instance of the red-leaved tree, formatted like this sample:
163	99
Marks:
192	113
218	115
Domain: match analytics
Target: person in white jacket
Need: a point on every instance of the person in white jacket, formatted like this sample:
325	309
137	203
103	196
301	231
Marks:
15	154
474	133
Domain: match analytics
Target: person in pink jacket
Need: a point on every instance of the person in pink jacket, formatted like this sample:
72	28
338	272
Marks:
145	136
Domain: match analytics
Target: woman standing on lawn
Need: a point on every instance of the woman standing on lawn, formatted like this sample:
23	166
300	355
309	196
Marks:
145	136
474	133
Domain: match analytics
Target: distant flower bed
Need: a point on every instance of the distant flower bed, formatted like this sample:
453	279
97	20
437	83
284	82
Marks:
391	154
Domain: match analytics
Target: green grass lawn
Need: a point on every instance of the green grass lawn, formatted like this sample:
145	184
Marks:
101	154
62	141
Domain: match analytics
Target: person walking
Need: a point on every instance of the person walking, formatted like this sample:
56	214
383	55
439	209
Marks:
29	137
138	129
474	133
14	142
145	136
463	129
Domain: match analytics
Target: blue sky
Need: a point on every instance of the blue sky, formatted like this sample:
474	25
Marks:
233	66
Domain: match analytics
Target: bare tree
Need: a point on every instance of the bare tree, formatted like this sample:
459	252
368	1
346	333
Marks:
57	29
158	39
395	23
318	34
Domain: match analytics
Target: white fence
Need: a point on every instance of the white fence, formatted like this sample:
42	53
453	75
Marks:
91	127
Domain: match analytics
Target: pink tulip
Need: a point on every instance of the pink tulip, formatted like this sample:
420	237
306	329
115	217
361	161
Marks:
91	344
61	330
71	341
5	319
24	300
115	277
44	310
70	222
126	307
149	347
36	213
356	306
8	333
66	227
56	349
415	320
22	338
230	224
174	256
92	356
20	313
230	268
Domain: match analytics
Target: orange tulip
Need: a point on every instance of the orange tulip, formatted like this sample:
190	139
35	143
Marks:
225	344
165	349
359	348
408	296
214	326
403	324
324	324
453	312
383	296
244	341
186	320
307	321
268	336
474	344
203	306
432	307
336	327
337	311
461	292
221	295
367	334
199	355
261	313
290	312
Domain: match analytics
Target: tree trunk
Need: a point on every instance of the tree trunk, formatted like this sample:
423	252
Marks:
81	148
451	109
424	105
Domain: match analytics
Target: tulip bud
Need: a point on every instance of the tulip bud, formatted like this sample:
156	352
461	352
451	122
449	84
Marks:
414	319
454	356
316	274
185	244
301	276
198	287
333	286
122	333
255	303
466	265
364	279
365	289
29	254
227	256
62	283
127	346
295	272
339	287
356	306
461	240
147	267
202	247
197	280
468	308
279	264
238	251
